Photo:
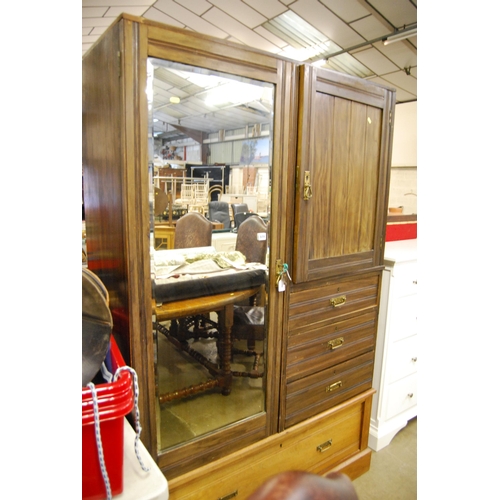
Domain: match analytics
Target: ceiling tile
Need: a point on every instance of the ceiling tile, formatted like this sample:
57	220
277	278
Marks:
397	12
199	7
399	53
114	12
161	17
98	30
96	21
268	8
240	11
403	81
116	3
94	11
326	22
86	31
189	19
375	61
239	31
401	95
270	36
345	63
347	11
90	39
370	28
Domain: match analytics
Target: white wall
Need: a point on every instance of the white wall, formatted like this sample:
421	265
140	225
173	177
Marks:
403	187
404	148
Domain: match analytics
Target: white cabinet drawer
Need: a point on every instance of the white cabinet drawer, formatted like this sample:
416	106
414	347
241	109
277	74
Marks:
401	396
402	358
404	279
403	317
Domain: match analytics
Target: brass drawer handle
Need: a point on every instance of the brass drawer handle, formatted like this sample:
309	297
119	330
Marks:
338	301
323	447
410	395
231	495
336	343
332	387
414	359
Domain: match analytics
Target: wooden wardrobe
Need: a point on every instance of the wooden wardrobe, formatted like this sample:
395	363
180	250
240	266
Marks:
331	148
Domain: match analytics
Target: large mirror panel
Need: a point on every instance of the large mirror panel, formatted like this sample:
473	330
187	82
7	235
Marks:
210	178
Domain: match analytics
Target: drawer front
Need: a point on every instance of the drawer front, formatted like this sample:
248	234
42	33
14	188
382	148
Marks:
402	358
402	395
404	279
333	300
323	390
403	318
318	445
313	350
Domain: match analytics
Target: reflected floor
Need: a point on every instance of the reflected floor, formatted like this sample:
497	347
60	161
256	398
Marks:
193	416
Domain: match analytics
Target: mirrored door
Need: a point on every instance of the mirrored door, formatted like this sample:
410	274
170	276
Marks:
210	148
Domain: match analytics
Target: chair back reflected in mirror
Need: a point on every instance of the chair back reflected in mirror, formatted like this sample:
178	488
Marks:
249	318
251	240
193	230
237	208
218	211
241	217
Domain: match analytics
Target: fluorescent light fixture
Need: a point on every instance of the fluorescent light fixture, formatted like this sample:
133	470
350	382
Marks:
402	35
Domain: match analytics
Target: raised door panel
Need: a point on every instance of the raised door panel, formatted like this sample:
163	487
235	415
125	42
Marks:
342	174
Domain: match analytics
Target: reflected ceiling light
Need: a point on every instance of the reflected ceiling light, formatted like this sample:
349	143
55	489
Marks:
319	63
234	93
175	100
402	35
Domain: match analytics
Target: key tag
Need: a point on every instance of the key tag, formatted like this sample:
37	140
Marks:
281	285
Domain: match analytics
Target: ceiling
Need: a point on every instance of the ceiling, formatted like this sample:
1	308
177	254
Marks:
344	35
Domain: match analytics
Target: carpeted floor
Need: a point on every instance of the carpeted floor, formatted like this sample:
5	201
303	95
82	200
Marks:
393	471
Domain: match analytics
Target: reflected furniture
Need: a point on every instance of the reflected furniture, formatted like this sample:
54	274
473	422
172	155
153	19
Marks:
218	211
237	208
193	230
222	304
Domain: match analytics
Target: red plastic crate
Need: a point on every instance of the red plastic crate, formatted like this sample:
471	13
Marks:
114	400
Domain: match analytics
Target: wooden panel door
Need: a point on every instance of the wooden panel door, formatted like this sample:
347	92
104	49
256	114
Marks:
345	136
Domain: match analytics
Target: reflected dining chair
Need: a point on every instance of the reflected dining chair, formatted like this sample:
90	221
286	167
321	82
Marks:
249	322
193	230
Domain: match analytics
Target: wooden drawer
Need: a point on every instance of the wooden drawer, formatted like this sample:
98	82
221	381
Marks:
401	396
311	350
335	439
343	297
318	392
402	358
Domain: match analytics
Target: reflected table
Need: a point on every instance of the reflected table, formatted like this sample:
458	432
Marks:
223	305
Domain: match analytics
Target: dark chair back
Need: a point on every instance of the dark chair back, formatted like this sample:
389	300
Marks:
238	208
218	211
193	230
242	216
248	241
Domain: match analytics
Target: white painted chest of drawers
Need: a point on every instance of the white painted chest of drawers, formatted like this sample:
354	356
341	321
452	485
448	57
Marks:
395	369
